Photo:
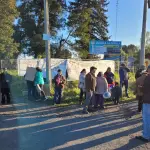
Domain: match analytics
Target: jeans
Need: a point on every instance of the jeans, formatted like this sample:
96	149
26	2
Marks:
99	100
88	100
82	93
124	83
146	121
58	95
30	87
5	95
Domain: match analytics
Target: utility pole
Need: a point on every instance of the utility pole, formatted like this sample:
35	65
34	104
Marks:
47	44
142	51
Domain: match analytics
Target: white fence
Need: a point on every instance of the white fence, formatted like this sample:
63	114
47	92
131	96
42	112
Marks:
72	67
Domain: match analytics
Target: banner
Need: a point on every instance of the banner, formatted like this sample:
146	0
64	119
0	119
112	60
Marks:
75	67
72	67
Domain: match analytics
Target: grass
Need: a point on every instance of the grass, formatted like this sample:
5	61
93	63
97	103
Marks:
70	93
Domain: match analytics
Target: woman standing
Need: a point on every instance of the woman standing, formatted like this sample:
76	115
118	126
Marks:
109	76
101	88
82	85
39	82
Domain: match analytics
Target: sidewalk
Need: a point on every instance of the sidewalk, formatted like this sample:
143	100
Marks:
29	125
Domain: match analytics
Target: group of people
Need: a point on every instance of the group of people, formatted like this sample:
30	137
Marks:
35	88
92	88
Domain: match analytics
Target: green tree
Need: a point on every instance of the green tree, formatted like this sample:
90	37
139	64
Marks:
8	12
87	20
30	27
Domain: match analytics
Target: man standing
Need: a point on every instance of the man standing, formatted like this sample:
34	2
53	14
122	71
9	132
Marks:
59	81
124	77
146	109
90	84
5	86
139	92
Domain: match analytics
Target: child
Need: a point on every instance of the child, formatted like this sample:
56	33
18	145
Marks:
116	93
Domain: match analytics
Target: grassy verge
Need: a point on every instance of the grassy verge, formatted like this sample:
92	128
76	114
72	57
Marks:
71	92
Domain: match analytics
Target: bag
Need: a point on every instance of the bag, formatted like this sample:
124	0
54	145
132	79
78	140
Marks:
81	85
38	88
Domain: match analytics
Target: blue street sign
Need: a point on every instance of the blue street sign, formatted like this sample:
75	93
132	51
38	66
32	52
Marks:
104	47
46	37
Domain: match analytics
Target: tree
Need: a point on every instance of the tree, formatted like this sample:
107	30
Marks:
87	20
8	12
30	27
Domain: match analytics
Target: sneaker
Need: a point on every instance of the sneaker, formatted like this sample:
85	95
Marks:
46	98
142	139
38	100
85	112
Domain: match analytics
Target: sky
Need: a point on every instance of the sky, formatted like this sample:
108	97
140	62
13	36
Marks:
129	25
130	16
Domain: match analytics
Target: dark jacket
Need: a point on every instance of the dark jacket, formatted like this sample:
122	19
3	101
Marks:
138	73
90	82
5	80
139	85
116	92
109	77
123	73
59	81
146	90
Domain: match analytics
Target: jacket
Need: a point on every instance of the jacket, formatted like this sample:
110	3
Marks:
123	73
146	90
139	85
5	80
59	81
109	77
138	73
101	85
82	81
90	82
39	78
116	92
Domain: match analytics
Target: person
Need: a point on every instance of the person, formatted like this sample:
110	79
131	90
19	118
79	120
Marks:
59	81
30	87
109	76
6	79
116	93
146	109
101	88
39	83
139	71
90	84
139	92
124	77
82	85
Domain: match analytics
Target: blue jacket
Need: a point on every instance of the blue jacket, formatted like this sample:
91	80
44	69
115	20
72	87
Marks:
123	73
39	78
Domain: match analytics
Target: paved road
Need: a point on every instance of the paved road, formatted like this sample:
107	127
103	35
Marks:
29	125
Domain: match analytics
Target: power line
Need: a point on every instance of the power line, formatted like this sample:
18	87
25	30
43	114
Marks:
117	6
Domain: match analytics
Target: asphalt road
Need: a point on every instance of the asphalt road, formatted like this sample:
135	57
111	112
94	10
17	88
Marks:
29	125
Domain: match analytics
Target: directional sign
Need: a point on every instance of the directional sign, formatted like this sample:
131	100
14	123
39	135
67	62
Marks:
46	37
105	47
